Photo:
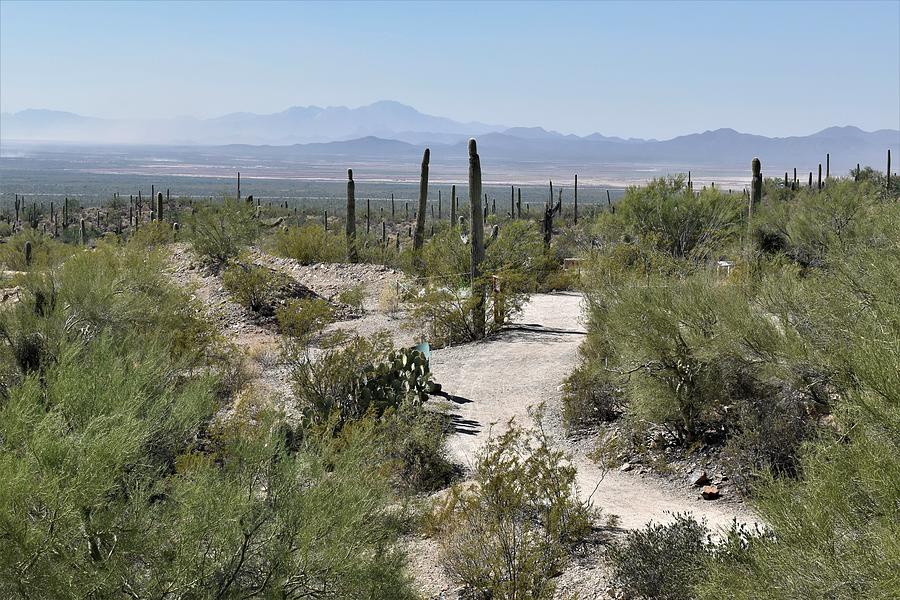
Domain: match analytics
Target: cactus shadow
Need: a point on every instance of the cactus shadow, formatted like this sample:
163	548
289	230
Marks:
458	424
452	397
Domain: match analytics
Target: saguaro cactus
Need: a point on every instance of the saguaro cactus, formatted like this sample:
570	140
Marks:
889	170
576	198
820	176
755	185
159	207
83	232
28	254
350	229
519	203
453	205
476	237
827	165
547	223
419	238
512	202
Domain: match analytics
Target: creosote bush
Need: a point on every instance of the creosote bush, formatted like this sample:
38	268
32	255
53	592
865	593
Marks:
661	561
220	232
309	244
512	531
304	317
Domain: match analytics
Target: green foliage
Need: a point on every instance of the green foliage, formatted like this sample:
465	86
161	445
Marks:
118	479
309	244
354	296
220	232
789	362
360	376
670	218
507	535
414	449
304	317
258	288
46	252
251	285
661	561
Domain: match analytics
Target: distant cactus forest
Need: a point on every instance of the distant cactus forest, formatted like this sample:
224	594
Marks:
191	408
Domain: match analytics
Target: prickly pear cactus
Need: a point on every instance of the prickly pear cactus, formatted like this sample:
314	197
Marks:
404	377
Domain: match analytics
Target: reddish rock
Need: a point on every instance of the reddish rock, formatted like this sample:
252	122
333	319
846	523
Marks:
710	492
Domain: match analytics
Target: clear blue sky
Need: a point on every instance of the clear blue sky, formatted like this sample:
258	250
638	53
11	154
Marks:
639	69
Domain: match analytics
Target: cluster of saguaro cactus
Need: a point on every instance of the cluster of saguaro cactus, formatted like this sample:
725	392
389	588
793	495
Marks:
755	185
419	238
476	237
350	229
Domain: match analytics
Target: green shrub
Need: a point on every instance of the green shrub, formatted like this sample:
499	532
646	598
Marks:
45	251
661	561
251	286
354	297
260	289
509	533
415	447
220	232
118	480
590	397
666	215
304	317
309	244
352	378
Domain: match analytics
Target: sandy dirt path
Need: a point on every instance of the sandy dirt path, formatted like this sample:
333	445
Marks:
492	381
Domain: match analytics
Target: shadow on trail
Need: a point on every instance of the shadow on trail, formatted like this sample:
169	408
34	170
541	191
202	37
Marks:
534	332
452	398
464	426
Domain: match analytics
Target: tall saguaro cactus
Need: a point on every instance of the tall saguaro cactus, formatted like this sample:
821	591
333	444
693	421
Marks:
755	186
453	205
159	207
576	198
350	229
419	238
476	236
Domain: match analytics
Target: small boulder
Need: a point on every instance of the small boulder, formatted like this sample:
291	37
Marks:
710	492
699	478
626	467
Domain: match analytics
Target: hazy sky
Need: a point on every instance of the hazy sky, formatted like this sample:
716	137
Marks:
639	69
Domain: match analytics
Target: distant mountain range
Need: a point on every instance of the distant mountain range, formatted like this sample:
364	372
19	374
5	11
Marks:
296	125
390	130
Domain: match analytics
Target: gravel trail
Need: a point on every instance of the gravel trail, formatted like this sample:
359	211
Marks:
492	381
